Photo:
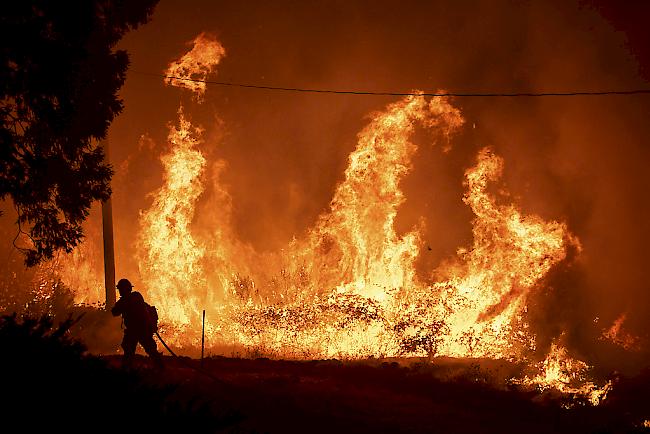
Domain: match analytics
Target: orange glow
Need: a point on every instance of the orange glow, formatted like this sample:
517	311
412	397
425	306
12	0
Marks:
347	287
617	335
83	271
171	256
560	372
197	64
484	290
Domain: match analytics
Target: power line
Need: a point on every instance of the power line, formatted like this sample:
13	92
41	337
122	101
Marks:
454	94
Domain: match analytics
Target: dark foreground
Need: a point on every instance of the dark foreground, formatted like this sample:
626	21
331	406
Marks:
50	383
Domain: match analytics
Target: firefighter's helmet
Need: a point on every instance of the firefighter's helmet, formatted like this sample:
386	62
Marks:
124	284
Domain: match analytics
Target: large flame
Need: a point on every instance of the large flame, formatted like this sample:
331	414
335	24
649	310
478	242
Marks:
170	255
354	247
348	286
171	265
486	288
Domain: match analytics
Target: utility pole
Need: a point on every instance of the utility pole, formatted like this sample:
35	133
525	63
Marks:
109	249
202	338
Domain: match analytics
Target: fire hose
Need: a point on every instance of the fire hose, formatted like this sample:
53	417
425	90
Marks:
184	363
162	341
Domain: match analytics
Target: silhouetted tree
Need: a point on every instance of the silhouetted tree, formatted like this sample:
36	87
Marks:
59	78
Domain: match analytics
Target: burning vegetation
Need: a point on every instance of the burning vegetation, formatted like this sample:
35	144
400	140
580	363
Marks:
348	287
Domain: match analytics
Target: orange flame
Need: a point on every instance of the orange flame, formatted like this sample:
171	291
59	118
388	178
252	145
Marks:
352	269
617	335
567	375
485	289
191	70
82	270
354	247
171	263
348	288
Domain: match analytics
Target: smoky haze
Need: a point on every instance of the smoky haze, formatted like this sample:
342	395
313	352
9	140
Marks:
581	160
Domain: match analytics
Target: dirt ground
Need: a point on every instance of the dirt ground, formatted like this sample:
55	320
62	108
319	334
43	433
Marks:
51	383
267	396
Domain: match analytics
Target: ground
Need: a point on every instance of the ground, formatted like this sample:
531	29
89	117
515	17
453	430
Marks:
380	396
52	383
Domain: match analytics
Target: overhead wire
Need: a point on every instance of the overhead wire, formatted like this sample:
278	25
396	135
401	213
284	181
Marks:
430	94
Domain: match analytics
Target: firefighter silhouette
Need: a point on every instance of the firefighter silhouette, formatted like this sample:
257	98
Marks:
139	327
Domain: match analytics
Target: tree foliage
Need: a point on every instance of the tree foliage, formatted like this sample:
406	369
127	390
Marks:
59	78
